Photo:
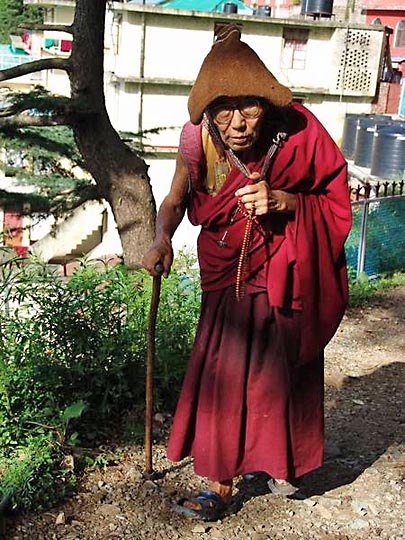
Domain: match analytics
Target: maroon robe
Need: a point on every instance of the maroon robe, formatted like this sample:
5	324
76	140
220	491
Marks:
252	398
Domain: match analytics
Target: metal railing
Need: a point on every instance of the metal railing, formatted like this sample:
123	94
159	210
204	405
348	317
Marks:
8	60
376	244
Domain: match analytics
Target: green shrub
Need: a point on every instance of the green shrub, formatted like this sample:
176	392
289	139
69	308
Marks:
72	358
362	289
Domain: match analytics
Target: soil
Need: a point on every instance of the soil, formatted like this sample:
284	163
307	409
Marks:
355	495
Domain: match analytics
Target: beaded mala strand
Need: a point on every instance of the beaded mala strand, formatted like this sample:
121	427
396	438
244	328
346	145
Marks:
249	214
243	256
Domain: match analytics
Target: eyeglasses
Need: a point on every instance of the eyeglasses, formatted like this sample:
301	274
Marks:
222	111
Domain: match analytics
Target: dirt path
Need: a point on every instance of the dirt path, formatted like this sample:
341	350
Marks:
356	495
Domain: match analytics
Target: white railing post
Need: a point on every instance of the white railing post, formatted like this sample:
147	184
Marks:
361	256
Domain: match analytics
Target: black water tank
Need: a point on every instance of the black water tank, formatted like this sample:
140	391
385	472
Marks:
263	11
366	127
388	156
319	7
303	6
349	135
348	146
230	7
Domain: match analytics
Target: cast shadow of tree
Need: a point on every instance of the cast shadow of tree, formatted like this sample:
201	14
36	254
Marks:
364	420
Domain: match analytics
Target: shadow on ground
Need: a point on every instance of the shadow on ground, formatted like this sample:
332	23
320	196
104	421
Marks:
365	421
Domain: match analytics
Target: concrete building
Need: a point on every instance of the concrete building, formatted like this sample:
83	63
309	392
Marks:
153	53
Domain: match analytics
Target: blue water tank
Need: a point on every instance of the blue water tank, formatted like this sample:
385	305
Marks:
262	11
348	145
349	135
303	6
366	127
388	156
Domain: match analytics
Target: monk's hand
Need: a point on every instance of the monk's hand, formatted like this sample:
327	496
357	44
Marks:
263	200
159	257
282	201
255	197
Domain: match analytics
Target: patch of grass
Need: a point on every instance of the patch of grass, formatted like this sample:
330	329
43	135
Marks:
363	289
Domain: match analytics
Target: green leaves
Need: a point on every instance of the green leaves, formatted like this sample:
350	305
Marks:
73	411
72	358
12	13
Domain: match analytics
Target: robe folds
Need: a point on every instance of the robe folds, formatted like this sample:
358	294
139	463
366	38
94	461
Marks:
252	398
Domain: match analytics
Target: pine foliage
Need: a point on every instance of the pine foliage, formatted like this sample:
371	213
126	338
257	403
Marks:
13	13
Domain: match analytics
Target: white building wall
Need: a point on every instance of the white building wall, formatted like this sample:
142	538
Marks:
266	41
317	71
167	111
161	173
123	105
129	51
176	51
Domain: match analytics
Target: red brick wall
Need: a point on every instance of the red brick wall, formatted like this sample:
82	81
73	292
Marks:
387	99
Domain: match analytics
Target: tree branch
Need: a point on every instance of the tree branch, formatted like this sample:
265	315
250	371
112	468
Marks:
8	112
56	27
26	120
36	65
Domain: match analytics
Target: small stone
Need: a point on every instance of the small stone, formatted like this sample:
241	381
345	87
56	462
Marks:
61	519
330	502
325	513
109	510
359	524
373	509
344	516
149	485
217	534
309	502
198	529
259	536
359	506
68	462
159	418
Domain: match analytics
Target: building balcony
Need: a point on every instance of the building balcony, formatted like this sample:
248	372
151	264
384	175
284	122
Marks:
10	59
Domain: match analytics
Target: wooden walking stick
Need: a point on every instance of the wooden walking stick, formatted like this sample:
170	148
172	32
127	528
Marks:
149	366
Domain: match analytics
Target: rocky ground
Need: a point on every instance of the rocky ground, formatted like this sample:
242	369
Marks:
355	495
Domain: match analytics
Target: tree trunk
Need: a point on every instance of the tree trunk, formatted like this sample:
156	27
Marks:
121	175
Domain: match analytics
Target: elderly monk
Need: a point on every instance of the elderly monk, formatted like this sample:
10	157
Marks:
268	187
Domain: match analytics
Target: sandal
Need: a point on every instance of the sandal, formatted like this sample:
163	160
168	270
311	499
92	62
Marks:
282	488
212	506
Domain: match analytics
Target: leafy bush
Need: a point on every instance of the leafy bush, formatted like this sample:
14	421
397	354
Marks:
362	289
72	357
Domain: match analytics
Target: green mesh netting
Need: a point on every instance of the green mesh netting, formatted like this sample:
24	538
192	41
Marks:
385	236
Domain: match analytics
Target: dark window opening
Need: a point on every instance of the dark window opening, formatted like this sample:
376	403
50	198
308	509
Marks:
295	48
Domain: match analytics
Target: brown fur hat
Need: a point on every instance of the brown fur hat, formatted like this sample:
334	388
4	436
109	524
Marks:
233	69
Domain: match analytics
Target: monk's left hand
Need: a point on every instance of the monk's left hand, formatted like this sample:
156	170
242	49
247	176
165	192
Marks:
264	199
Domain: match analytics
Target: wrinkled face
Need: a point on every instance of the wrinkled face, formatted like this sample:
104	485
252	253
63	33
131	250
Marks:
238	120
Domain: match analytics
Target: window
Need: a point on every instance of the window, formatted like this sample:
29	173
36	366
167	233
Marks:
400	35
295	48
56	45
